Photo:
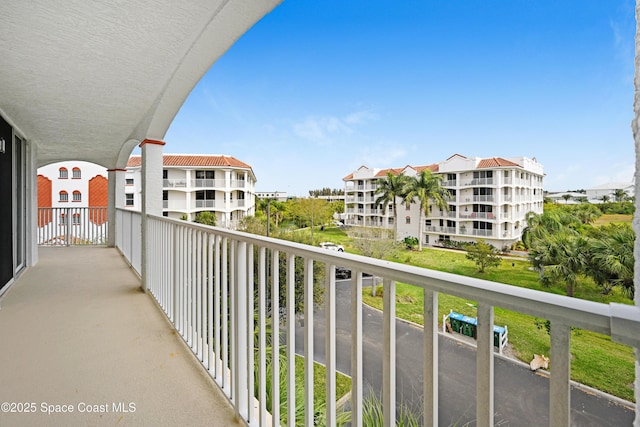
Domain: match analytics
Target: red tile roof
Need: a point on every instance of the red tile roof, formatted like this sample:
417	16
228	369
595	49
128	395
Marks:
495	162
193	160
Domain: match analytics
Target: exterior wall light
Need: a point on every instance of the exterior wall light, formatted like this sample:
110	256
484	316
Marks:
2	146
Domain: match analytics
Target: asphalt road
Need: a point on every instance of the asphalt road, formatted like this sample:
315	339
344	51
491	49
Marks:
521	396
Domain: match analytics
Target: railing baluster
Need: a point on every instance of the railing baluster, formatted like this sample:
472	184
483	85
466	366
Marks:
484	367
275	338
356	349
308	342
198	322
233	245
262	338
225	313
210	273
176	249
330	344
250	332
291	341
241	324
217	309
430	374
389	353
559	383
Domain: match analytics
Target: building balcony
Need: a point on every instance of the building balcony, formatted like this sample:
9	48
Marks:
76	330
438	229
185	271
478	215
208	183
179	356
174	183
478	182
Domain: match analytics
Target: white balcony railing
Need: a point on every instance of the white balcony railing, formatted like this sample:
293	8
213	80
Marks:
207	204
174	183
208	183
129	237
73	226
478	181
205	279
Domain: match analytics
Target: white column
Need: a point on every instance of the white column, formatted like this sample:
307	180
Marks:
635	126
116	179
227	197
151	195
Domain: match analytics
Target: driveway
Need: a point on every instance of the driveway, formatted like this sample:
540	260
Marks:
521	396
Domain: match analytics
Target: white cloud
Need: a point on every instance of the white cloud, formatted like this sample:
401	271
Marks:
323	128
360	117
320	129
381	156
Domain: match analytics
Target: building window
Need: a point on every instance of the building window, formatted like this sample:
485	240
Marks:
64	173
129	199
64	196
205	175
76	219
77	196
407	219
129	181
77	174
165	174
206	195
63	219
205	199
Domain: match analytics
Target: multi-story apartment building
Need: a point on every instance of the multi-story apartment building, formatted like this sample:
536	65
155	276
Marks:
489	199
196	183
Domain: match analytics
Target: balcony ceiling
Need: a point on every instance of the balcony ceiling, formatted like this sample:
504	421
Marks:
88	80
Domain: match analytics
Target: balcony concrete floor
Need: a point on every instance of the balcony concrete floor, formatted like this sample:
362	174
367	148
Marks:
76	330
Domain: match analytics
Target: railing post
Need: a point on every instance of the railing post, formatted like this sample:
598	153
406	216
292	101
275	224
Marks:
240	300
275	336
389	353
430	373
291	340
330	344
176	277
67	233
356	349
559	383
484	367
308	342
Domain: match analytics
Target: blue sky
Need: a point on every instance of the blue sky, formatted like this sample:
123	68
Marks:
317	89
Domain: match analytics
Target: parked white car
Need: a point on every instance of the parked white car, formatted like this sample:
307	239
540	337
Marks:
332	246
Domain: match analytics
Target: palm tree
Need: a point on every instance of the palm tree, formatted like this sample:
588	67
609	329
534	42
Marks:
566	198
540	226
425	188
562	257
620	195
612	259
390	189
605	198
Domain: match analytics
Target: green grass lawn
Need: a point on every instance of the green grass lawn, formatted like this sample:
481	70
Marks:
596	360
613	218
